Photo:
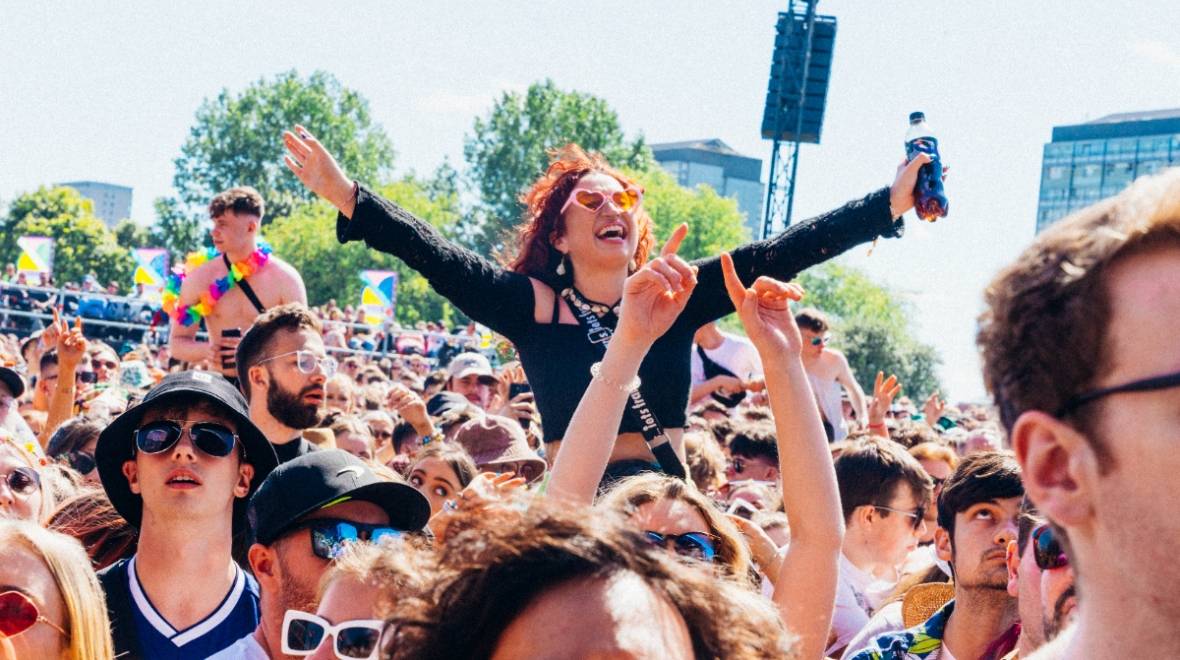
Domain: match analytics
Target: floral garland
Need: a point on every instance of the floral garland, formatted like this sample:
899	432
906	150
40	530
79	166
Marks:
187	315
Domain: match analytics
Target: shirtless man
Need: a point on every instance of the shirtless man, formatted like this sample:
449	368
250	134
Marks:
237	215
828	369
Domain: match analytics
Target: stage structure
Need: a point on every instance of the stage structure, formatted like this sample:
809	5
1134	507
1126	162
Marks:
799	72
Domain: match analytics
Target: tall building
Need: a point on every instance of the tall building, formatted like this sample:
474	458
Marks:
715	163
1088	162
111	203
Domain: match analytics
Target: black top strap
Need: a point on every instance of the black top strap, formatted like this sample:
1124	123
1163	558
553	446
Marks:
246	288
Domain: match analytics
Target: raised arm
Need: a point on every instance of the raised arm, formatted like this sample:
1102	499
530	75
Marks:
806	244
805	590
856	395
500	299
71	348
653	298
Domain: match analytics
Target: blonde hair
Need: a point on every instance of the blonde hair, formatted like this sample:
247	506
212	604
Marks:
633	492
26	452
86	610
397	569
933	451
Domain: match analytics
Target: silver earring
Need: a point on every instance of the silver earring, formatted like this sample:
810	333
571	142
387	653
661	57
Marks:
561	266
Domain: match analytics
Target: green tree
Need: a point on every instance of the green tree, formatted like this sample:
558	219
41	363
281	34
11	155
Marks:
714	222
307	240
238	139
81	242
175	229
872	325
130	235
509	149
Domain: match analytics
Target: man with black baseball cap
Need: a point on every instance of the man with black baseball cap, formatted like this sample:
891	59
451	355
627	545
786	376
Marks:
181	467
307	512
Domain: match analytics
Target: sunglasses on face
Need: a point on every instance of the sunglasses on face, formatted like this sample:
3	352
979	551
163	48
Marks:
738	464
1047	550
330	538
23	480
307	362
592	200
18	614
303	634
816	341
696	545
919	516
209	437
82	461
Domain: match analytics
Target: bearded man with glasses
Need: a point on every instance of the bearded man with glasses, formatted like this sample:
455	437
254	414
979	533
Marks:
180	467
283	366
1081	349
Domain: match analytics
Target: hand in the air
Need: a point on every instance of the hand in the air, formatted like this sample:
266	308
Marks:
315	167
901	193
934	408
654	295
883	392
408	404
71	346
765	312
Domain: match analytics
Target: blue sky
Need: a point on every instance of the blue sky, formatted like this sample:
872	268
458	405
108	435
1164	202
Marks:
108	91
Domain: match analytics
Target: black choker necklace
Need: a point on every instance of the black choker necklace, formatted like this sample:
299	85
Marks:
574	298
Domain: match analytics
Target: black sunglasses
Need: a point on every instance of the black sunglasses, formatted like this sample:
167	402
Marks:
23	480
331	537
919	516
1047	550
1145	385
209	437
696	545
81	461
739	465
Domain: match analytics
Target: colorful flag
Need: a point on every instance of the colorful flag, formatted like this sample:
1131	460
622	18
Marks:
151	270
378	295
36	254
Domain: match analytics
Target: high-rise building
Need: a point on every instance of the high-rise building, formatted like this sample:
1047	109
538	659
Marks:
1095	160
715	163
111	203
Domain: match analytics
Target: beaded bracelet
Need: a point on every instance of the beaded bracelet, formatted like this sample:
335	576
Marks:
595	371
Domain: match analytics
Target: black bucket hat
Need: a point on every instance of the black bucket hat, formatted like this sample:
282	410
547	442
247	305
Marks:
116	444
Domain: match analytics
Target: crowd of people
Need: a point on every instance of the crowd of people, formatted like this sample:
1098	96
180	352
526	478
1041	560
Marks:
636	483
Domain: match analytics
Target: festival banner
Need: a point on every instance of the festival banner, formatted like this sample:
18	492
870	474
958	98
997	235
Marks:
36	254
151	270
378	295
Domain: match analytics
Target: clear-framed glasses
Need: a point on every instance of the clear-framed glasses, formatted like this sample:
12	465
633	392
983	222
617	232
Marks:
308	362
592	200
919	516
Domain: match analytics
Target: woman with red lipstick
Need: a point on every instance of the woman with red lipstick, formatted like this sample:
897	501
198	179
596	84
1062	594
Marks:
585	231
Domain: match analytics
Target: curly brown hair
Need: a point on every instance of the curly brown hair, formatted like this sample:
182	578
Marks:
1043	335
536	256
501	561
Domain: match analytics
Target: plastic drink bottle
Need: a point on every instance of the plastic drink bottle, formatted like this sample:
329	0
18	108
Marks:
929	196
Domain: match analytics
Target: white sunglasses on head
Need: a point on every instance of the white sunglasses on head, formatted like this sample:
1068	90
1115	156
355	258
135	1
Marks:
355	640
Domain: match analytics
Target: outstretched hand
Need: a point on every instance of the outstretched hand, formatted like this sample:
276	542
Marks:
901	193
883	392
654	295
71	345
316	168
765	312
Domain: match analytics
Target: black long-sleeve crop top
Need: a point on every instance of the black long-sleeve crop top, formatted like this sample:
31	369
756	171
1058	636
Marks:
557	357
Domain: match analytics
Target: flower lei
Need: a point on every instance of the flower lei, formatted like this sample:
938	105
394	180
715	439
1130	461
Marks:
187	315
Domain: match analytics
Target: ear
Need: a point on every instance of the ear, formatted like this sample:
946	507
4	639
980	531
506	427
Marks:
245	474
558	242
1058	465
1013	561
942	545
259	378
131	471
773	475
265	565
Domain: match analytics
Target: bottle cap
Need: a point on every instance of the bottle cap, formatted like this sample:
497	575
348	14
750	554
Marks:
917	116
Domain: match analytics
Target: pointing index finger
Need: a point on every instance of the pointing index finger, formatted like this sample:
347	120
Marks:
737	291
674	240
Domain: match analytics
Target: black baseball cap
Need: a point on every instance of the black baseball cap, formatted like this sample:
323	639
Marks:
323	478
116	444
13	380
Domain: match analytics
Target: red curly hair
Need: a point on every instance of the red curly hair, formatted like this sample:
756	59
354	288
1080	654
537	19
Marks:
536	256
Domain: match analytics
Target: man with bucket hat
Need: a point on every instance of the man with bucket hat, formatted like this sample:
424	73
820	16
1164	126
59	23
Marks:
181	467
307	512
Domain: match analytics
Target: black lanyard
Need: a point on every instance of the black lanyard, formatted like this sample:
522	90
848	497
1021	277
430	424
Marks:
600	334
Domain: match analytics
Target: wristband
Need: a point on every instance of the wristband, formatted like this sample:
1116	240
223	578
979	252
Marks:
355	189
879	425
596	371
